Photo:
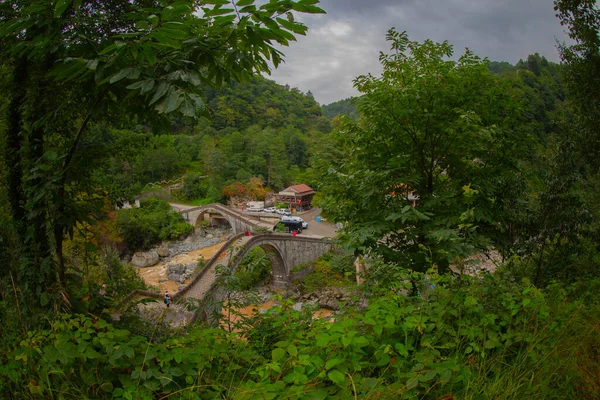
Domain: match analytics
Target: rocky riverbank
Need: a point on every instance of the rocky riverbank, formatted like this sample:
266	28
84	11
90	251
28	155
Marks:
174	263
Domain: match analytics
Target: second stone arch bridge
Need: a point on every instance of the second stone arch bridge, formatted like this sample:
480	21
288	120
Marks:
286	252
239	222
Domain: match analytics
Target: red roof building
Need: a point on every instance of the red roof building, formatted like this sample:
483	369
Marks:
298	197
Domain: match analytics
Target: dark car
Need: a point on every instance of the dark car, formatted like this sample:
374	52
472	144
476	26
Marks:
292	226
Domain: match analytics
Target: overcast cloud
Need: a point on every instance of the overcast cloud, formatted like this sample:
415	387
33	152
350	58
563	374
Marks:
346	41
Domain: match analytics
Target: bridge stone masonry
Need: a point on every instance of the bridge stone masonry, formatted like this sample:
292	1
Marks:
239	222
286	253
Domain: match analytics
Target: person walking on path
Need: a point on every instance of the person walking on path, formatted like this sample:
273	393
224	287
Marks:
167	299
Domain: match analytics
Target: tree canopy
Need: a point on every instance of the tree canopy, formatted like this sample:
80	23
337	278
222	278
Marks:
434	129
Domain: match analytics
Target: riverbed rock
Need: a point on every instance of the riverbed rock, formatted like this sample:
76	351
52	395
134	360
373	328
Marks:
163	251
175	269
174	277
145	258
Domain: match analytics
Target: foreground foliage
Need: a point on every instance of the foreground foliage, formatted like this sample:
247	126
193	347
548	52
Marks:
469	338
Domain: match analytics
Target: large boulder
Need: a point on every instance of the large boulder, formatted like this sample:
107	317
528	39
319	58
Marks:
145	258
175	277
176	269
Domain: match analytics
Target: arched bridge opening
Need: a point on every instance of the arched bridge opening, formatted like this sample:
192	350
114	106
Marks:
212	218
257	263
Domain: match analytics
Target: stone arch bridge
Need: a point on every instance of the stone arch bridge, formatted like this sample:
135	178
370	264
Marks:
286	252
239	222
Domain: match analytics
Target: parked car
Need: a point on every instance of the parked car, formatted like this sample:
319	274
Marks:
294	218
292	226
269	209
283	211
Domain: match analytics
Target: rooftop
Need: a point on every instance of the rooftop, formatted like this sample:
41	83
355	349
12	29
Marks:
299	189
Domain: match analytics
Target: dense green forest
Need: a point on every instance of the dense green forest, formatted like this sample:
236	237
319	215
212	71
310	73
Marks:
441	162
345	107
255	129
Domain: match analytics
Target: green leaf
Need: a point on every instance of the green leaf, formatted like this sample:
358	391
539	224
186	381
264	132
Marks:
173	33
278	354
147	86
242	3
61	7
92	64
292	350
149	54
142	25
172	101
136	85
160	92
50	155
470	301
153	20
120	75
333	362
337	377
187	108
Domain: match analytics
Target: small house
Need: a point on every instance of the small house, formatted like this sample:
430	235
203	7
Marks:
298	197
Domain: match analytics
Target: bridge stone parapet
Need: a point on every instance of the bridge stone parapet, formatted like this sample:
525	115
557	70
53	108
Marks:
207	277
239	223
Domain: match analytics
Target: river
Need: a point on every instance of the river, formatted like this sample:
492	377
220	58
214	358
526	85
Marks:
156	275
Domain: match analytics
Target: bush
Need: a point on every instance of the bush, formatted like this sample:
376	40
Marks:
194	187
154	221
343	263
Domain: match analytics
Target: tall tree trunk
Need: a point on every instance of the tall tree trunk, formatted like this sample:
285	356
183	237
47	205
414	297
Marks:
59	227
36	139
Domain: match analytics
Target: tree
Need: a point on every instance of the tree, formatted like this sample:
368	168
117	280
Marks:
76	63
434	129
582	19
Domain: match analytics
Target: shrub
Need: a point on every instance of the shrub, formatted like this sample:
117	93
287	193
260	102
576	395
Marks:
194	187
143	227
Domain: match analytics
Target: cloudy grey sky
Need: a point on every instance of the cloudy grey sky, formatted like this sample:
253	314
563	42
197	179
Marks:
346	41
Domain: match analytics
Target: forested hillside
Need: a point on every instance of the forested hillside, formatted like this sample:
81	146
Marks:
255	129
345	107
463	196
